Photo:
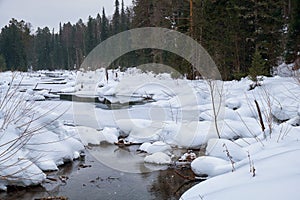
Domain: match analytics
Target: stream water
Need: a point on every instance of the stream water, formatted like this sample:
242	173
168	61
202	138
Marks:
90	179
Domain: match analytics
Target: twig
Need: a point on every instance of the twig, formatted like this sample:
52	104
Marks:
185	177
260	116
229	157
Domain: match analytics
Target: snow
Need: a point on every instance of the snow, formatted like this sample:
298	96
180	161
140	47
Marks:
219	147
90	135
158	146
277	176
211	166
32	139
159	158
181	115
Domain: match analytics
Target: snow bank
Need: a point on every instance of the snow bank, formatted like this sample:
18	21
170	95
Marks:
210	166
276	174
221	148
32	138
182	116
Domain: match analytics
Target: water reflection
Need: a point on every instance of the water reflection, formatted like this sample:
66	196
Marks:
125	159
168	185
90	179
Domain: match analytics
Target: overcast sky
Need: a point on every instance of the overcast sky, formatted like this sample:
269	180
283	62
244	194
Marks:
41	13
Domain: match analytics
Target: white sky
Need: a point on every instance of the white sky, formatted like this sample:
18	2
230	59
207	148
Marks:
41	13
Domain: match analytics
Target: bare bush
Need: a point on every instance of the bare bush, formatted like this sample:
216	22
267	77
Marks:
19	122
216	89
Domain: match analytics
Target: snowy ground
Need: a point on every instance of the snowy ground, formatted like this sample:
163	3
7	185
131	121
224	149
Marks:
246	163
32	138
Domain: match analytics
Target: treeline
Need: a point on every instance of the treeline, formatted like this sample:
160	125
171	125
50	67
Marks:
66	49
232	31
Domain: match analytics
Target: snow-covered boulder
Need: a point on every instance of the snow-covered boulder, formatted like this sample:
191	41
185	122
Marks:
144	147
30	95
221	147
233	103
158	146
188	156
294	121
110	135
21	173
92	136
284	112
210	166
284	70
159	158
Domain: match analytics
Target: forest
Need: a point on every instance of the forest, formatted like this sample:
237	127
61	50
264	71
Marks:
235	33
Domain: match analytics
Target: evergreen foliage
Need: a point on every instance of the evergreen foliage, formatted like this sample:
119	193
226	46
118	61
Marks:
258	67
230	30
2	63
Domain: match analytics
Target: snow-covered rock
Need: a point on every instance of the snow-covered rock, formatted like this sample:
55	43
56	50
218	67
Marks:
158	146
188	156
221	148
284	70
92	136
283	113
159	158
110	135
30	95
211	166
144	147
233	103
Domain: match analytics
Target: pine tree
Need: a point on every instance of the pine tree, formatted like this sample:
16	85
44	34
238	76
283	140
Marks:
42	48
104	27
2	63
98	28
123	25
90	39
13	44
116	18
293	43
79	44
258	68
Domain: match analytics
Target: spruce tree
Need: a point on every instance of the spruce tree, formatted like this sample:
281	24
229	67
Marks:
258	68
116	18
104	26
2	63
123	25
13	44
293	43
42	48
90	36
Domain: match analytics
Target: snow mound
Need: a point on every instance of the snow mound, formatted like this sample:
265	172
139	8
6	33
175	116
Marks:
144	147
210	166
159	158
221	148
233	103
95	137
158	146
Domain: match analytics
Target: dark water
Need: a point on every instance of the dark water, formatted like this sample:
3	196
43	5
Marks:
89	179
